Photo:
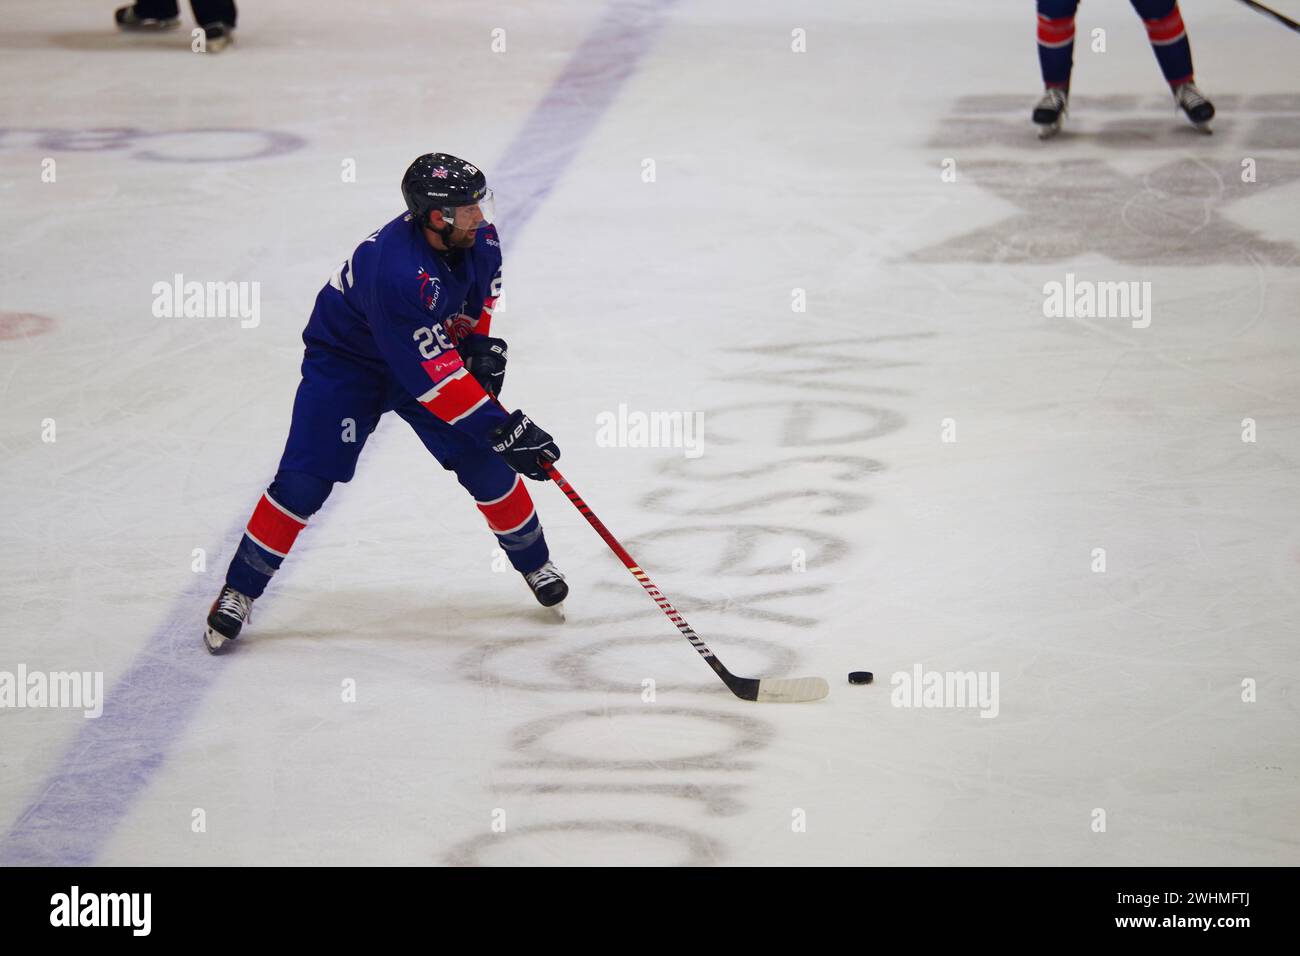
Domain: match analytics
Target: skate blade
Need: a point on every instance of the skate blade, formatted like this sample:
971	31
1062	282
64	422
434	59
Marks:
1047	132
214	641
149	26
559	610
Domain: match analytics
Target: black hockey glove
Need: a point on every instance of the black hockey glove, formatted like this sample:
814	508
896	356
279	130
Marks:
523	445
485	358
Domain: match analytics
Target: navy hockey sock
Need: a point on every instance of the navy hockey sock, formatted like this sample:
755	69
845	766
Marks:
1168	37
1056	41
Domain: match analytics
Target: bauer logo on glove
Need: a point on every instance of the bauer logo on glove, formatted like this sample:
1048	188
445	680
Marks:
524	446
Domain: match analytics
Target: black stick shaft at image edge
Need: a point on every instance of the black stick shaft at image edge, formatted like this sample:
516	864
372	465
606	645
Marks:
1269	11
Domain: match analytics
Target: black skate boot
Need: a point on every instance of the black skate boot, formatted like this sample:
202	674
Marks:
1198	109
229	612
548	587
127	18
217	36
1049	111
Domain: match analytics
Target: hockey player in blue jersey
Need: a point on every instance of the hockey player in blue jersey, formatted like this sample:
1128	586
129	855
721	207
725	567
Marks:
404	326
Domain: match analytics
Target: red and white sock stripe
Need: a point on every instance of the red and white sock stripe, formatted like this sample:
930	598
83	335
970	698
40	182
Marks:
1167	29
511	511
274	527
1053	33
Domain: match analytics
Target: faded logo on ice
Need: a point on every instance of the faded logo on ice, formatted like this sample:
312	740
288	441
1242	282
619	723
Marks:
1172	212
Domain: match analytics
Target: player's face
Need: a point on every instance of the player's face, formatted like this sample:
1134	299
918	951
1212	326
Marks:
467	222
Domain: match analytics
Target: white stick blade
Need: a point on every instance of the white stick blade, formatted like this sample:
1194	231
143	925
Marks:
792	690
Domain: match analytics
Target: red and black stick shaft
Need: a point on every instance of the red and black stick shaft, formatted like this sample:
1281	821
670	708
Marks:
642	578
747	688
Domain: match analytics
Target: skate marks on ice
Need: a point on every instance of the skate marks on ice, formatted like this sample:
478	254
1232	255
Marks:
613	761
1172	214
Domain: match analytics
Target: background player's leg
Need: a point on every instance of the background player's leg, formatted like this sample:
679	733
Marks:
337	406
1055	60
1056	41
217	17
214	11
1173	52
148	15
1168	37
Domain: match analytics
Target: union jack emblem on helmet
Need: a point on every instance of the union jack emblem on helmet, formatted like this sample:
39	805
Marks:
439	173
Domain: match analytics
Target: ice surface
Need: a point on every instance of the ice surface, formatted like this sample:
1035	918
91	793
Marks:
775	171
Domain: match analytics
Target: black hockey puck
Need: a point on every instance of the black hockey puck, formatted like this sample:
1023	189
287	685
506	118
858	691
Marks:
860	677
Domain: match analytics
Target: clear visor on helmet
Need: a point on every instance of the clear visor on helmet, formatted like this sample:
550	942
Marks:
472	216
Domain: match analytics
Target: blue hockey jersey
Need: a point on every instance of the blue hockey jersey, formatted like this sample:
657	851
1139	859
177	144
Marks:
400	304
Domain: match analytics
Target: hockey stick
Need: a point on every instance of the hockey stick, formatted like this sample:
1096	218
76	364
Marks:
764	689
1287	21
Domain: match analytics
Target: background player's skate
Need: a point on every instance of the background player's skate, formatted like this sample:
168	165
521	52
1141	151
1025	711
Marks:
1168	36
1050	111
215	17
1194	105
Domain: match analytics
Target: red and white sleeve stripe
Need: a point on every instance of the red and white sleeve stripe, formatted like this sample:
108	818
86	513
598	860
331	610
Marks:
484	323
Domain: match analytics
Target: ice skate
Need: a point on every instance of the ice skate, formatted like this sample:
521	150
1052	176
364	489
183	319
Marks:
127	19
1195	106
1050	111
217	36
548	587
229	612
